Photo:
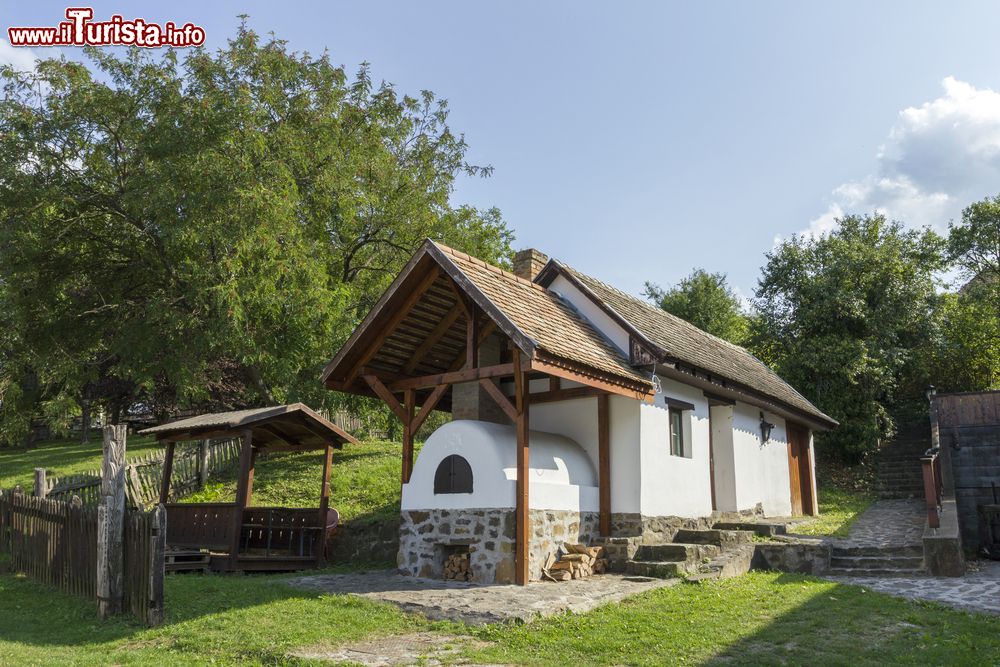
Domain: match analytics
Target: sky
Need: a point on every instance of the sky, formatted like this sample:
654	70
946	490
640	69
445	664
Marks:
638	141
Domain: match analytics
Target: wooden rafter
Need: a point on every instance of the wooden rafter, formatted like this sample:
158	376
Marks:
432	339
567	394
393	322
549	368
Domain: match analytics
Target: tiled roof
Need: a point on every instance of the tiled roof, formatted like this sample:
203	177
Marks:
551	323
687	343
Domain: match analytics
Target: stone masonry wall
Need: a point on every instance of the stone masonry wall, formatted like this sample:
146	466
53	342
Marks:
364	542
424	536
551	528
489	534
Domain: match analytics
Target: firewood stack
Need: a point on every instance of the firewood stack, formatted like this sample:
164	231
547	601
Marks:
576	562
456	567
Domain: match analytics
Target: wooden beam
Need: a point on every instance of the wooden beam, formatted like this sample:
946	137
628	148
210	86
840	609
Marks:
168	468
246	457
432	338
484	333
604	462
429	404
383	392
324	505
554	383
409	398
565	394
393	322
253	468
472	339
453	377
521	514
500	399
611	387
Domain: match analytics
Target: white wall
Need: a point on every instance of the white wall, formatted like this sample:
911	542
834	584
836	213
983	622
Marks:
597	317
761	469
675	485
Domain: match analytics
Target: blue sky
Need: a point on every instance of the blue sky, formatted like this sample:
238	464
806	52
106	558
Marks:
637	141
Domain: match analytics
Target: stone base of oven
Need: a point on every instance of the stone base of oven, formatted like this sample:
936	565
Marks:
426	535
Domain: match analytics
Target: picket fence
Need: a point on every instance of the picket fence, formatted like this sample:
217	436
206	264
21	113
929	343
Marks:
193	464
55	543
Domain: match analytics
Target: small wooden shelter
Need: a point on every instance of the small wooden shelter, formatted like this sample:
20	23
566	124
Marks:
237	536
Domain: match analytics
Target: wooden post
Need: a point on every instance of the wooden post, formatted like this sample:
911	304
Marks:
246	465
521	513
409	399
203	463
604	462
324	505
157	547
40	490
111	523
250	476
168	467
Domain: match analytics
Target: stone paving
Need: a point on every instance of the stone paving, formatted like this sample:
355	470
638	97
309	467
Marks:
978	590
476	604
887	524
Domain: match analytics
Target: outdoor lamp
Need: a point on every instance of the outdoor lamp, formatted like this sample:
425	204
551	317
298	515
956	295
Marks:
931	392
765	429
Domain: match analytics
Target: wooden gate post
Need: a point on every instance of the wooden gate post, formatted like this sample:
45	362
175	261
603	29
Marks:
40	490
202	464
157	546
111	523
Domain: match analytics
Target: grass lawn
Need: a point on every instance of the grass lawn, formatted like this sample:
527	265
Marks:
838	508
761	618
364	481
60	458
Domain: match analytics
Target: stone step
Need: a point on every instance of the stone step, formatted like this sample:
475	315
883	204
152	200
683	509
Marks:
686	553
907	551
877	562
657	569
722	538
732	563
762	529
874	572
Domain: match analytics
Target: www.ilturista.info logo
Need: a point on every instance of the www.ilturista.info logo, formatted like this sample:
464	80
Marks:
80	30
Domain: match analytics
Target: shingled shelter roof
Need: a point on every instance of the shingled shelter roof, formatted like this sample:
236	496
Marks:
536	320
294	424
672	339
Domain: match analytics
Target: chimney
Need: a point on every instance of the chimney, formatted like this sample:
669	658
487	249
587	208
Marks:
528	263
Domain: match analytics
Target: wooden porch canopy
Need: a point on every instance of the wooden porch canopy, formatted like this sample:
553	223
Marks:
424	335
282	428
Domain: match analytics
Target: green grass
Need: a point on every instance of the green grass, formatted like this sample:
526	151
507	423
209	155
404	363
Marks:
838	508
761	618
364	481
60	458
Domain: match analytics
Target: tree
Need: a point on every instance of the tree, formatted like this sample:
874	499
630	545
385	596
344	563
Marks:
206	231
706	301
968	358
848	319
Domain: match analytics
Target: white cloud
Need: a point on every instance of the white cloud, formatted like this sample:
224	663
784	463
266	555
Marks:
937	159
21	57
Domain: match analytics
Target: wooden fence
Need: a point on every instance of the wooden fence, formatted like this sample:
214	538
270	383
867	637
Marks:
193	464
55	543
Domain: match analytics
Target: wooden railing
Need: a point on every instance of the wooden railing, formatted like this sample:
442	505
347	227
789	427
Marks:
200	525
931	463
266	532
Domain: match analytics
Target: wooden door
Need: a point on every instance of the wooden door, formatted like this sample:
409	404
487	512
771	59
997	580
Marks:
799	470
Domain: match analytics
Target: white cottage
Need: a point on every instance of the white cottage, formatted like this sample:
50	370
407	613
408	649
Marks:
580	414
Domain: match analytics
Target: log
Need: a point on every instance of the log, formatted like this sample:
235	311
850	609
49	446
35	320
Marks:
111	523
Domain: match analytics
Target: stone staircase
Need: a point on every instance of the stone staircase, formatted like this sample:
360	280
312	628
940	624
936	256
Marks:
863	561
897	464
695	554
